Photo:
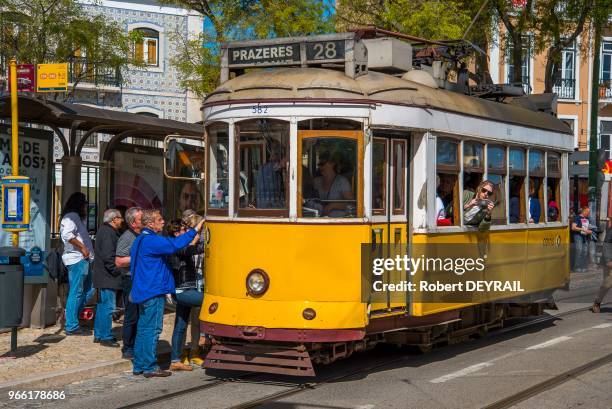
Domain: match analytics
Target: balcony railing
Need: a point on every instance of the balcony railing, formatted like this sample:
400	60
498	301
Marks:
565	88
84	72
605	89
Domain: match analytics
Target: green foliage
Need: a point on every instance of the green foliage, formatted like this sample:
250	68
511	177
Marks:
54	31
197	58
433	20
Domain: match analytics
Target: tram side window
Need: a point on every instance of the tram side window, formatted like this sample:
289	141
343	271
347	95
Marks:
553	187
379	176
518	170
536	186
262	182
496	173
473	169
329	176
218	162
447	183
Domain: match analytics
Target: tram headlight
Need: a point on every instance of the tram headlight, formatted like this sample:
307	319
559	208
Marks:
257	282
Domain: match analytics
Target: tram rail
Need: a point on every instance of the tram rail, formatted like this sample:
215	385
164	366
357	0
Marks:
294	388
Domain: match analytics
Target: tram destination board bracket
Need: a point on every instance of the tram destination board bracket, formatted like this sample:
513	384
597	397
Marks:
312	51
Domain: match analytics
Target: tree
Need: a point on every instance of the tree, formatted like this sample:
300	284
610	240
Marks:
518	22
433	20
558	26
197	57
45	31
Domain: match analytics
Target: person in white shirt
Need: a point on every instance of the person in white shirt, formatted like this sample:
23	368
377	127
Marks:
77	256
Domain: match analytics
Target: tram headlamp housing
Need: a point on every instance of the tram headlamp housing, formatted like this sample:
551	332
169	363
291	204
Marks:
257	282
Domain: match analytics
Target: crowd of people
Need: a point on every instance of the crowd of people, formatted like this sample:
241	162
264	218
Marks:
149	266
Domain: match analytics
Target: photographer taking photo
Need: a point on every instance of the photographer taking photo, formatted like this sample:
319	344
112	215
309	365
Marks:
477	211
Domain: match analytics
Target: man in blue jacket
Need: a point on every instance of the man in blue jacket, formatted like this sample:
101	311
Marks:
151	281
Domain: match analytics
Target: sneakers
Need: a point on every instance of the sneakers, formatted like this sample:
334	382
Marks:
179	366
110	343
596	308
159	373
97	340
78	332
127	355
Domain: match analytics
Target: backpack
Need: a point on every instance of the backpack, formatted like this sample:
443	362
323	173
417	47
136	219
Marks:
56	268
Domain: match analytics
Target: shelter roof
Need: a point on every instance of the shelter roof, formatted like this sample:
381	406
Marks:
85	117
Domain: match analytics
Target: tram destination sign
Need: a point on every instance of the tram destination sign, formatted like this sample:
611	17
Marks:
339	48
279	54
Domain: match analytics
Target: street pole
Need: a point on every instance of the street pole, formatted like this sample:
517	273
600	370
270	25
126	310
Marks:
14	132
593	156
14	160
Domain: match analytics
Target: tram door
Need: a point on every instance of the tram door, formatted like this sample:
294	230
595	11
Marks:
389	210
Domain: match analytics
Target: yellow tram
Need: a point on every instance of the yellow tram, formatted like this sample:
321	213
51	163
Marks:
306	163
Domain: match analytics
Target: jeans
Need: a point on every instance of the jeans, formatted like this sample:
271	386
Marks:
581	246
80	291
103	324
150	325
184	302
130	318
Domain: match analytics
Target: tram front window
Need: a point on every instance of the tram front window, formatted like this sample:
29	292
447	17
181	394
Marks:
329	177
262	154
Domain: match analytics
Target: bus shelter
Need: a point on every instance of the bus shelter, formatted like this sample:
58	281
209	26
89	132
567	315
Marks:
128	174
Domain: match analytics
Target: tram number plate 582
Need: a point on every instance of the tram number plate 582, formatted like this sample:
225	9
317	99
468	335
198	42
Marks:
259	109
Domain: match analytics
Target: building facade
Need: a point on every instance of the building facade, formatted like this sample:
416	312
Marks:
573	88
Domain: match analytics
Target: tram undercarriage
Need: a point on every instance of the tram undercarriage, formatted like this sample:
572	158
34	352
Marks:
298	359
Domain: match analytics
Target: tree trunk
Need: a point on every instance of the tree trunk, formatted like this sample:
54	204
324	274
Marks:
550	71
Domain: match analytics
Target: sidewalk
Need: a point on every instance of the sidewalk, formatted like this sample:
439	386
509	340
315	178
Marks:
46	357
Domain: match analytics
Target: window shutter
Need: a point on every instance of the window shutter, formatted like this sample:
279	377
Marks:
152	52
139	51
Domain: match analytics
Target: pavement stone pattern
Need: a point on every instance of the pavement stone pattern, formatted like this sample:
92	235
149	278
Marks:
47	350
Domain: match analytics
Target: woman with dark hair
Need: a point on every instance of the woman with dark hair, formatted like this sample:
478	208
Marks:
187	297
77	256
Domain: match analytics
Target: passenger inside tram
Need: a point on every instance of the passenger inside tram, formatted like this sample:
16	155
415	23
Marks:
189	197
535	207
516	184
269	182
477	212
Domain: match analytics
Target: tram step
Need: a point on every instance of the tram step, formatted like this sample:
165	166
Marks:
263	358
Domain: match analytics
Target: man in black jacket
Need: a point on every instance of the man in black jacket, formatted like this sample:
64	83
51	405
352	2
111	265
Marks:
106	277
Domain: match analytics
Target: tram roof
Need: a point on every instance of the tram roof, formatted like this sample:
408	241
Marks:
318	84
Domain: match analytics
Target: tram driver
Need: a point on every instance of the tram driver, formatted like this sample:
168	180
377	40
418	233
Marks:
333	192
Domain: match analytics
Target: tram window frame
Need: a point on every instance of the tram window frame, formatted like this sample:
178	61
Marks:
537	175
216	211
401	210
455	173
513	176
472	171
263	212
500	189
556	176
378	211
357	136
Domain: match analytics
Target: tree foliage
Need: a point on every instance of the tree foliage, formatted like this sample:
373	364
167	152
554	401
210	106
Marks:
438	19
55	31
197	57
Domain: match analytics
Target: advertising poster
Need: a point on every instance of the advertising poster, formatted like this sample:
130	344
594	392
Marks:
35	162
138	177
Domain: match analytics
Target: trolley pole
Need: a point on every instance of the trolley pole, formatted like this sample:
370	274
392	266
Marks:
14	132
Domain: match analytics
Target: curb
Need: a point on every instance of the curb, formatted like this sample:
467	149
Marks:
67	376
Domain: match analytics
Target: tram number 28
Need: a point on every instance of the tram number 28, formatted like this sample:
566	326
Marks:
325	50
